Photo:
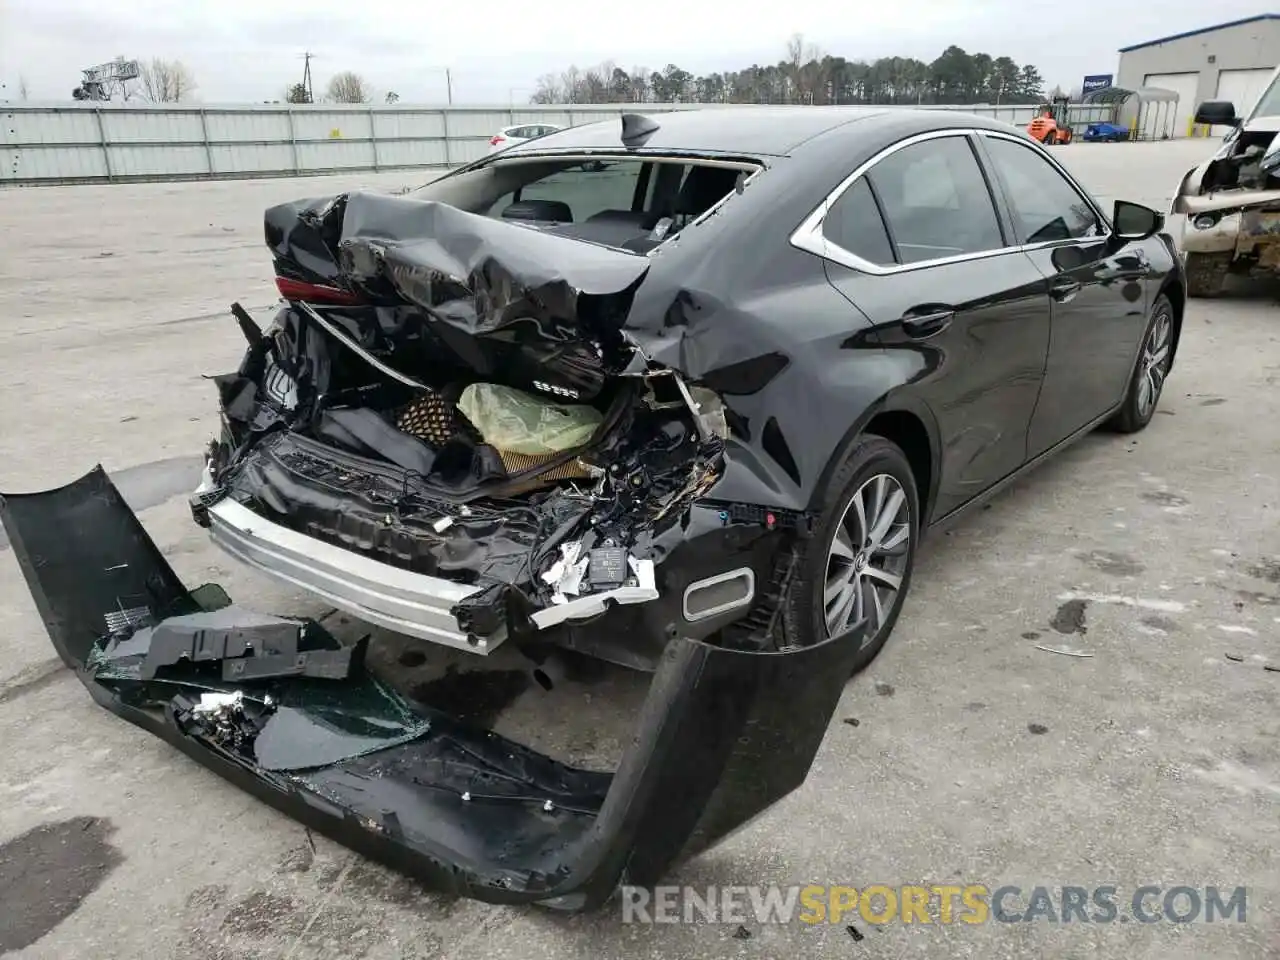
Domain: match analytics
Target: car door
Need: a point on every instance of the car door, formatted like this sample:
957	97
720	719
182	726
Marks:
917	243
1096	288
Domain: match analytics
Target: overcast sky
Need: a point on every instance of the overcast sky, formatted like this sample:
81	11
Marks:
250	50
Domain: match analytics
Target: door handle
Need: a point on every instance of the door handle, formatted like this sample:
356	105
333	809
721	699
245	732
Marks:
921	325
1064	289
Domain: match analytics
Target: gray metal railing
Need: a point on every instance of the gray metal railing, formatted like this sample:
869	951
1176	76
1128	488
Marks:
117	142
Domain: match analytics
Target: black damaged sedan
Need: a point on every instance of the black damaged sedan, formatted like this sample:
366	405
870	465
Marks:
705	374
680	391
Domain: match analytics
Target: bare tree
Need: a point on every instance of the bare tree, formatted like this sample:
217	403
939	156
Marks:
24	91
391	96
166	81
595	85
795	52
571	84
639	84
349	87
548	90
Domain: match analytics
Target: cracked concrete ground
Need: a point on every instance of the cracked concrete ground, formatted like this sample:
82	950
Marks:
977	754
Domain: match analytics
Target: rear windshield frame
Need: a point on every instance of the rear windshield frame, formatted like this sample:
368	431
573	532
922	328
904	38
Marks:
482	170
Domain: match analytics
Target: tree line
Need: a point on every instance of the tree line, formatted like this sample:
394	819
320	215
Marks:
807	76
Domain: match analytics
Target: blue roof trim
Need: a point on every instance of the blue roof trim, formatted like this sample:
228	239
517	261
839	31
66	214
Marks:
1193	33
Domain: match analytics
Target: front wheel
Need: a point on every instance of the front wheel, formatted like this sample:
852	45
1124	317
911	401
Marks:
1147	381
858	564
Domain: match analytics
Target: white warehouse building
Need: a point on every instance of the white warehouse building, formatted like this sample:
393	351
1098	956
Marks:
1230	61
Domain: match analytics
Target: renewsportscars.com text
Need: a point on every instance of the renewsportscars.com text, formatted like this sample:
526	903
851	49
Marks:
943	904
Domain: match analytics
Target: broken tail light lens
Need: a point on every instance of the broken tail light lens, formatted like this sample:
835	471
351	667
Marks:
292	289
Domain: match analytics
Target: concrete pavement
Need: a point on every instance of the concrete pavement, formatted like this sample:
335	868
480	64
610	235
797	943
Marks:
975	757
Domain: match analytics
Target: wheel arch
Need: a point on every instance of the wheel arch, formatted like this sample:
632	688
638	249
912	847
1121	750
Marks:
911	426
1177	295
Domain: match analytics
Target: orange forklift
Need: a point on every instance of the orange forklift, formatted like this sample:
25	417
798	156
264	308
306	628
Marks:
1051	124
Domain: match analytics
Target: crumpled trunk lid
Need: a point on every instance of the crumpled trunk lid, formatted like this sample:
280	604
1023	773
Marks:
553	306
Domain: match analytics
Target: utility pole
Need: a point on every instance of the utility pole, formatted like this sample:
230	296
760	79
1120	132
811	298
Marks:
448	81
308	95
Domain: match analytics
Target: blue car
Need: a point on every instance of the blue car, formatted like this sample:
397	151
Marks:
1106	133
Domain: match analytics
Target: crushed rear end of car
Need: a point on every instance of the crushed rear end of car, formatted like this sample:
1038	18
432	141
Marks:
448	431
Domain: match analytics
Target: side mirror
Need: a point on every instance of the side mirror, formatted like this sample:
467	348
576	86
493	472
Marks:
1133	221
1217	113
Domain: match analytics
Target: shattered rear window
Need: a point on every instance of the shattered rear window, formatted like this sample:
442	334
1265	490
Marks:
586	191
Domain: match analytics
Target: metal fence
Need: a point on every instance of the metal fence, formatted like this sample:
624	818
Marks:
117	142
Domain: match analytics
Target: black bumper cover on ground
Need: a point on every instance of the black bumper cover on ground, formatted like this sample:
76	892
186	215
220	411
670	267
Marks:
722	734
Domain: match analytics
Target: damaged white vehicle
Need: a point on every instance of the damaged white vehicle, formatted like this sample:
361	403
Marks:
1232	200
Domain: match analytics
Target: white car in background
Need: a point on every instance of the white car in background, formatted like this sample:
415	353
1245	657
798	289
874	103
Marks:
519	133
1232	200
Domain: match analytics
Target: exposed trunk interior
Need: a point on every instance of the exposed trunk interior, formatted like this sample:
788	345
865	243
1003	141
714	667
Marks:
311	420
475	467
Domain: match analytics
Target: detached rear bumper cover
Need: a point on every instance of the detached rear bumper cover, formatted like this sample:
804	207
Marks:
722	735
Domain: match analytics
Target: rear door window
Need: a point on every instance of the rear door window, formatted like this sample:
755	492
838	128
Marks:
936	201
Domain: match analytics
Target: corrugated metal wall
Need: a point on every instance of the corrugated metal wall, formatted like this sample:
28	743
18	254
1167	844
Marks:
83	142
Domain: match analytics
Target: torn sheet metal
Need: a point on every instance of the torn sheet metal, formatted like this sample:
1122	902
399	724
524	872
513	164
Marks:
722	734
473	272
518	304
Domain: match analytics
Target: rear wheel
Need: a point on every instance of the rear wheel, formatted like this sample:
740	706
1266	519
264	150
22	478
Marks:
858	564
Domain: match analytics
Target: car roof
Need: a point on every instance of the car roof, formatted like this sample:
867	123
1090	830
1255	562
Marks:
752	131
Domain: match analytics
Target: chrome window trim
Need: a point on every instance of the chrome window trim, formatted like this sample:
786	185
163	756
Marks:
809	237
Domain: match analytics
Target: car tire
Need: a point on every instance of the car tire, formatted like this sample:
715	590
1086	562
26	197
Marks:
1207	273
877	472
1150	371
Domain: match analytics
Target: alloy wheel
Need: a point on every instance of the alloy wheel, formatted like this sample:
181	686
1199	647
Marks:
1154	364
868	558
